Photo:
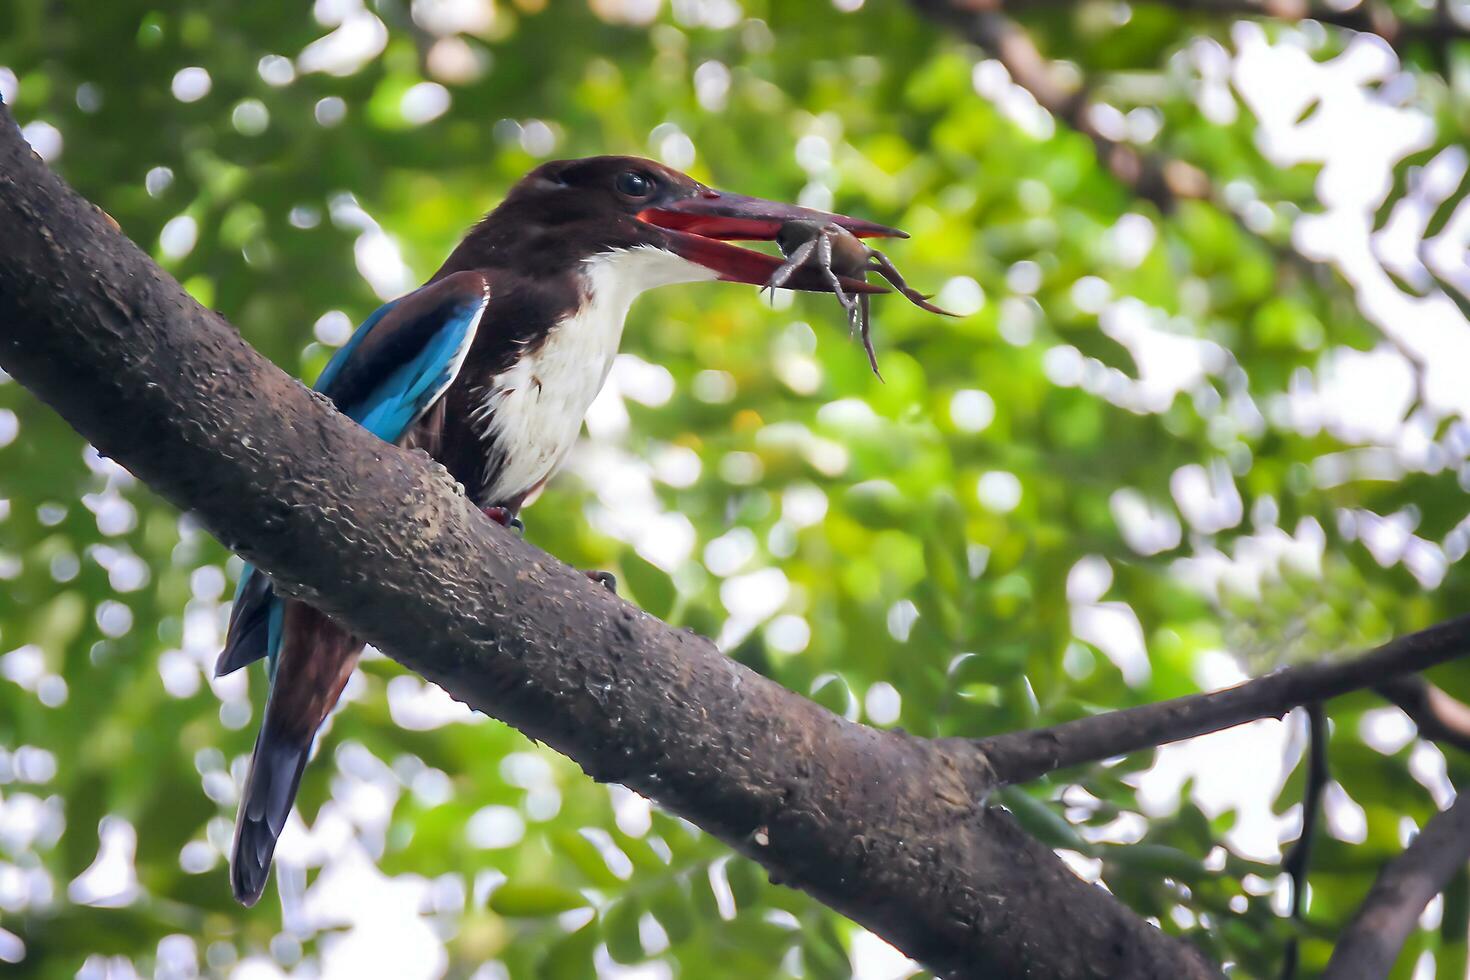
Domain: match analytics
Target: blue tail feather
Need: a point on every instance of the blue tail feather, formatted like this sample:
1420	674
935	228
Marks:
255	624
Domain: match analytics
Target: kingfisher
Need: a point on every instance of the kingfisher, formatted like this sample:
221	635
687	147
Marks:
489	368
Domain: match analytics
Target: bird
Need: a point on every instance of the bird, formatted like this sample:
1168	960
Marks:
489	367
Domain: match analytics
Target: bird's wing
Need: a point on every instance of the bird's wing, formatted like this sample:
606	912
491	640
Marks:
406	355
388	374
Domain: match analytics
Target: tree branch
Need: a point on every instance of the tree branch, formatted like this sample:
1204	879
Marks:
884	827
1371	942
1438	716
1299	858
1366	17
1021	756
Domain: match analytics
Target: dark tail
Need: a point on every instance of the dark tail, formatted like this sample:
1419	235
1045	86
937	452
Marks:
316	659
275	773
255	623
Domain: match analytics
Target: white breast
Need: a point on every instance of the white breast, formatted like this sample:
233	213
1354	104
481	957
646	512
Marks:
532	412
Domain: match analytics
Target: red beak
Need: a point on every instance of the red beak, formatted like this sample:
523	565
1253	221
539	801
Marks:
698	228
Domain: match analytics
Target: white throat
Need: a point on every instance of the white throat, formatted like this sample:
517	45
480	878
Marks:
533	411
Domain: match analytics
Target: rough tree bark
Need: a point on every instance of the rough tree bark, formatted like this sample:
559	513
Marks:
888	829
1371	942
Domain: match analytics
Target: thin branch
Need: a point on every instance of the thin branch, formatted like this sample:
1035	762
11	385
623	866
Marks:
1150	176
1370	944
1442	33
1438	716
1299	858
1162	180
1021	756
884	827
1365	18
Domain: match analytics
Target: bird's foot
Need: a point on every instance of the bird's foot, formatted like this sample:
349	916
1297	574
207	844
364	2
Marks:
607	580
505	518
795	259
777	279
854	313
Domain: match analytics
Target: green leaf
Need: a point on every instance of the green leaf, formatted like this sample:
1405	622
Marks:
650	586
1042	820
640	851
620	931
576	848
673	907
833	694
527	900
747	881
878	504
1157	859
823	954
570	958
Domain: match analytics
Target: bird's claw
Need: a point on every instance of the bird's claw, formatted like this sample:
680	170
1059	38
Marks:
850	304
505	518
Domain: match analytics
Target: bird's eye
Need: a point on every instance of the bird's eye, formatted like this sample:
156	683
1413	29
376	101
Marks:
630	183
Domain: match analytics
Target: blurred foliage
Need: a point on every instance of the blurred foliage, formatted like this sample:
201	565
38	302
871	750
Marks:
1101	459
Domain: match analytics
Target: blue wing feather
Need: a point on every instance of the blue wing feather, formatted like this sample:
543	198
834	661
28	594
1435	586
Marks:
388	374
405	355
345	352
